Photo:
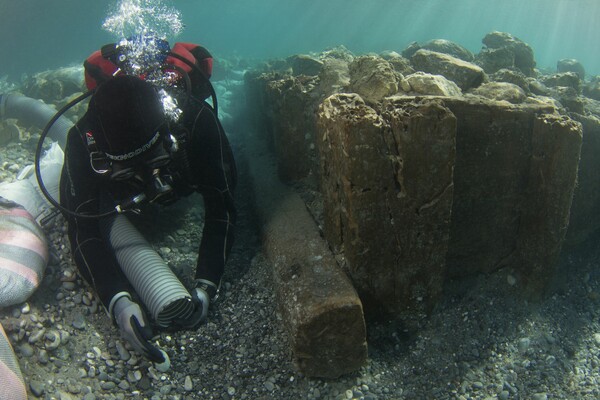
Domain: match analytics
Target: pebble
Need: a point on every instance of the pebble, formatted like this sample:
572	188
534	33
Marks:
36	336
188	386
124	354
165	389
539	396
477	385
37	388
108	385
503	395
78	321
43	357
597	338
26	350
524	345
231	390
134	376
269	386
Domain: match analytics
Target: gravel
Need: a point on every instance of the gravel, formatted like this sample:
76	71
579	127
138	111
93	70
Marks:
483	340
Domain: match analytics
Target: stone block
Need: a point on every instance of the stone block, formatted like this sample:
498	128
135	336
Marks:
292	107
544	217
492	184
321	311
585	211
387	185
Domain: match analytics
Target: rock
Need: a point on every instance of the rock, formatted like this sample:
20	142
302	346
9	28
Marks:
54	85
339	52
493	60
591	106
538	87
411	49
569	99
37	388
372	78
523	345
321	311
522	53
26	350
565	79
448	47
571	65
389	54
334	76
291	105
188	386
466	75
401	65
305	65
592	88
511	76
9	132
501	91
421	83
378	177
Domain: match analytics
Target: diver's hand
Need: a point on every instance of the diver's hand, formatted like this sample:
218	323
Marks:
201	302
135	329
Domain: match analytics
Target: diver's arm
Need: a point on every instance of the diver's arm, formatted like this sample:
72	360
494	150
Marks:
80	193
214	167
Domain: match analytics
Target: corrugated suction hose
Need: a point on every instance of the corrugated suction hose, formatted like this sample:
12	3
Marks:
163	294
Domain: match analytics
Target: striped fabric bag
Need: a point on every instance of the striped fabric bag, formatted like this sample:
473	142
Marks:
12	385
23	254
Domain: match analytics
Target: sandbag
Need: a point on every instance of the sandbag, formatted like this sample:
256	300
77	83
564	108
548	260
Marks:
25	190
23	253
12	385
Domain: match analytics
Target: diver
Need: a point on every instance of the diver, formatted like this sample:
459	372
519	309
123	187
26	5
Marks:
148	135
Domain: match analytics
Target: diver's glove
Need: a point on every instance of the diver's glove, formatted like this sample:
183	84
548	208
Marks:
134	326
202	295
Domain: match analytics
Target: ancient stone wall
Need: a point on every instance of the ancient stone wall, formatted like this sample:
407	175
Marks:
419	187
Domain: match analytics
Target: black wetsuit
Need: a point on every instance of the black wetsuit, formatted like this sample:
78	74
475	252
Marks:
212	173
